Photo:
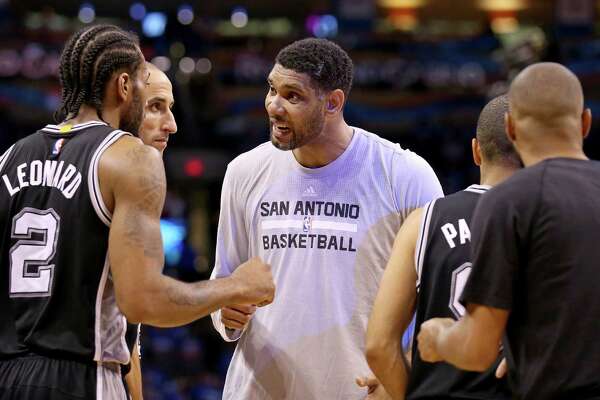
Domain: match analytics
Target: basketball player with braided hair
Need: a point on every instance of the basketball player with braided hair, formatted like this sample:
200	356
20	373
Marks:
80	244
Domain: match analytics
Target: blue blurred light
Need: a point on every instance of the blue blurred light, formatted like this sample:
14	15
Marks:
185	14
137	11
87	13
173	232
327	26
154	24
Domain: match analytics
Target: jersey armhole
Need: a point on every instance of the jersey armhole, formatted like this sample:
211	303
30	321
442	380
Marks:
421	244
4	157
93	181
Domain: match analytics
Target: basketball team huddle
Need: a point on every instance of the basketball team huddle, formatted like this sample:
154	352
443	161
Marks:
332	243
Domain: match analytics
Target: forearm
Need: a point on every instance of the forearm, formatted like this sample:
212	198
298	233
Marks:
390	368
457	346
134	377
169	302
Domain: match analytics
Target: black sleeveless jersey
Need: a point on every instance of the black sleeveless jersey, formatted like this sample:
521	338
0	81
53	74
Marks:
56	292
442	258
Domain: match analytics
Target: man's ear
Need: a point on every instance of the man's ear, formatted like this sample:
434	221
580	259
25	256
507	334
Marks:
335	102
586	122
509	127
476	149
124	86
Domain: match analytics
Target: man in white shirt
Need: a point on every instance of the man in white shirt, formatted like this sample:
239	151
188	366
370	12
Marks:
324	216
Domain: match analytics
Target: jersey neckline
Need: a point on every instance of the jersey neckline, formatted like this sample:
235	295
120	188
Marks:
73	128
478	188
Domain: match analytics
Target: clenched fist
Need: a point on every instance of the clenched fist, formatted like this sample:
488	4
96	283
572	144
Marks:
428	338
255	283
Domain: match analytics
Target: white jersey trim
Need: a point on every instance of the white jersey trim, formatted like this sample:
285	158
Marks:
4	157
478	188
98	315
99	382
74	128
421	244
94	183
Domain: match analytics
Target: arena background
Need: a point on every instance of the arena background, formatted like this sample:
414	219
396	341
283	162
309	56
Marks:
423	71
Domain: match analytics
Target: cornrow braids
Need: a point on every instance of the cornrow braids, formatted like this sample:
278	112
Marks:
65	77
89	60
75	65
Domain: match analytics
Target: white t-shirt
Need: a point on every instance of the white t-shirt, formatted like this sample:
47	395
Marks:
327	234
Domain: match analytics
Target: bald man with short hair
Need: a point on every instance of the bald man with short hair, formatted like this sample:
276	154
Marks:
535	253
159	123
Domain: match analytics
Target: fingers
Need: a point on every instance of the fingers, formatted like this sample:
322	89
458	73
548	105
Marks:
370	382
243	308
427	341
502	369
234	319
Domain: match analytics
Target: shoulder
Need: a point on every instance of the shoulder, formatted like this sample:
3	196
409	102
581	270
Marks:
128	158
402	160
251	164
519	187
252	158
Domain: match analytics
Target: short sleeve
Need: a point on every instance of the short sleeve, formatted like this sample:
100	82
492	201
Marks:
415	183
494	251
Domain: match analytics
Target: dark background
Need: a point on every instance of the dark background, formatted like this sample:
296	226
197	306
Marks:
423	71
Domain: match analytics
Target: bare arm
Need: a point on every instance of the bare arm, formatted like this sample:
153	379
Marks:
393	310
134	175
134	377
470	343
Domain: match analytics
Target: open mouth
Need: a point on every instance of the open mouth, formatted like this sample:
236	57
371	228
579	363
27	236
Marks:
281	130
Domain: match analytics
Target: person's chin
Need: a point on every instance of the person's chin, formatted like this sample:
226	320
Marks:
281	142
159	145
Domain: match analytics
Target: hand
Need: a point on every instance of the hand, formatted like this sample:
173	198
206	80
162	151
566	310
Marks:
428	338
375	390
502	369
237	316
255	282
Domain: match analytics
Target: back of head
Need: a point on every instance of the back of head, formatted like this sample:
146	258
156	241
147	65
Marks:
89	59
328	65
496	148
548	98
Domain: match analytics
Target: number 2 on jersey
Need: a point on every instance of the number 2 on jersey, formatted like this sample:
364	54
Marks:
31	271
459	279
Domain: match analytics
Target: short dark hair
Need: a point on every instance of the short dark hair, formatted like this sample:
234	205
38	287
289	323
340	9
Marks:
88	60
491	134
328	65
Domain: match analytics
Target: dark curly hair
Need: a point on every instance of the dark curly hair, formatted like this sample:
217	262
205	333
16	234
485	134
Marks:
493	141
88	60
328	65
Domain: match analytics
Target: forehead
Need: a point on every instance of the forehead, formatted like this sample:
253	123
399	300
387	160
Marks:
159	86
281	76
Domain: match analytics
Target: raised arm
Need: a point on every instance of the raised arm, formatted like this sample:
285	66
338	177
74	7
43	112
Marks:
132	180
393	310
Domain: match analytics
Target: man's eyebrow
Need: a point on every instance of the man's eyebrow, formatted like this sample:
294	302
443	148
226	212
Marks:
161	99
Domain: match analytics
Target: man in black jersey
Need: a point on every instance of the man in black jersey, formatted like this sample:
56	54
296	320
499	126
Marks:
427	270
156	128
80	245
535	253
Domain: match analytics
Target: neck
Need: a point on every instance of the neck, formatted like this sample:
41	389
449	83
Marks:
326	147
532	155
493	175
87	113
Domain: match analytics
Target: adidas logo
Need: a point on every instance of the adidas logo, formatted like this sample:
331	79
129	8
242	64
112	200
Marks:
309	191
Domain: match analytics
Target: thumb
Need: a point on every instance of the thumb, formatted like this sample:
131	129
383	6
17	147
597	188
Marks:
502	369
361	381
